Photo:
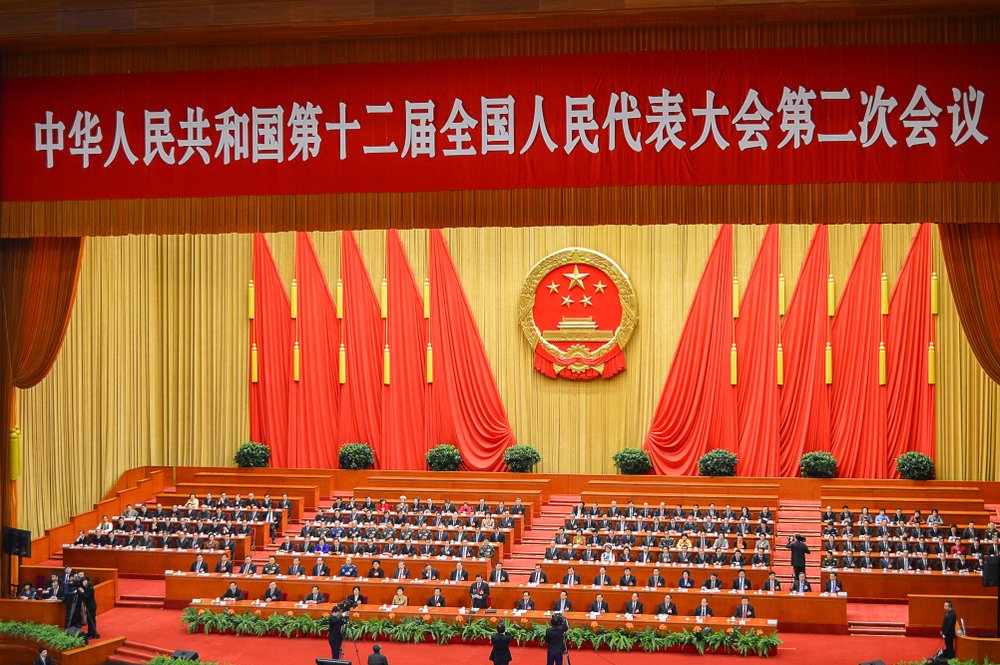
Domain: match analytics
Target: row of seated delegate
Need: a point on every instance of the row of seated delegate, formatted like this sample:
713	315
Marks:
457	547
902	561
689	525
630	510
478	596
935	532
418	531
915	546
846	515
679	555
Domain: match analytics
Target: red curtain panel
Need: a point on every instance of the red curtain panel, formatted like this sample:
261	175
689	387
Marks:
466	410
970	254
314	399
38	279
697	410
858	418
757	343
362	334
271	330
804	421
405	397
910	415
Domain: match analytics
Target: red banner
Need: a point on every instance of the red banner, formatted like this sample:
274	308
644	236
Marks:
842	114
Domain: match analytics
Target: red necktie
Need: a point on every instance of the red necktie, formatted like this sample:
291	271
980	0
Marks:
744	612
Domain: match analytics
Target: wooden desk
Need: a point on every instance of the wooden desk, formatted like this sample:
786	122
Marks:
32	573
500	550
878	584
927	612
805	613
450	614
323	482
171	499
308	493
555	570
18	650
687	498
978	649
514	534
54	613
721	489
888	494
146	562
182	587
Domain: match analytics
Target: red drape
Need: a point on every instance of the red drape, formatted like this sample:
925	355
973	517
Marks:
804	423
857	435
970	254
466	410
313	400
910	415
757	344
272	332
363	335
38	279
405	396
697	410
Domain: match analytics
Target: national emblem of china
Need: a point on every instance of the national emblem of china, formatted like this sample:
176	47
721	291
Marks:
578	311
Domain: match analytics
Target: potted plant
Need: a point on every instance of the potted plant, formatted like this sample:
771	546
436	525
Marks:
521	458
915	466
633	461
356	456
444	458
718	462
818	465
252	455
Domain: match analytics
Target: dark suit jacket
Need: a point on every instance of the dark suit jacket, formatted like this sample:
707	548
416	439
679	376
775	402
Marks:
272	595
568	606
698	612
749	615
525	604
670	609
501	648
633	607
602	608
439	602
948	625
377	659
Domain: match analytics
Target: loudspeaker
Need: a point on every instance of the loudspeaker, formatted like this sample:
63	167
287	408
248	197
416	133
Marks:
991	571
181	654
16	542
328	661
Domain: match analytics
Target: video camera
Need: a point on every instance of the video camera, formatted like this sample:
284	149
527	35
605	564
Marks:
346	605
558	620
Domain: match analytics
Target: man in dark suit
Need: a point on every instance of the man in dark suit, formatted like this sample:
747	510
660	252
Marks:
499	575
667	606
772	583
248	567
799	551
741	583
526	603
833	585
948	630
656	580
479	592
602	578
401	573
713	583
500	655
563	604
633	606
437	600
335	632
321	569
296	568
459	574
376	657
315	596
628	579
430	573
273	593
232	593
537	576
225	565
745	610
599	605
571	578
555	639
43	657
703	610
199	565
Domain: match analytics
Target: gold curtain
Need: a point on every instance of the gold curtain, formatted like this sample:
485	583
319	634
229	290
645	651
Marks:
154	366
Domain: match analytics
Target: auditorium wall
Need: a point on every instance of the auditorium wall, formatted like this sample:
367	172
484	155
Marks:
154	368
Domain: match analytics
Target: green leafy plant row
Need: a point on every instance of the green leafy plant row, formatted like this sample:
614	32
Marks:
167	660
356	456
251	455
746	642
50	636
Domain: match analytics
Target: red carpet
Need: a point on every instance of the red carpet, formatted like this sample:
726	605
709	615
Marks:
877	612
136	587
163	628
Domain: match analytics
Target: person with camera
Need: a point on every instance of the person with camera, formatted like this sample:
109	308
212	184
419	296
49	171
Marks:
335	625
799	551
555	638
89	607
500	655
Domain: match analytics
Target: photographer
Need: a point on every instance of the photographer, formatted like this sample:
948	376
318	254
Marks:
501	646
89	607
555	637
338	618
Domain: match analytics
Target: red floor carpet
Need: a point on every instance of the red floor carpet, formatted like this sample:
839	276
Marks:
163	628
